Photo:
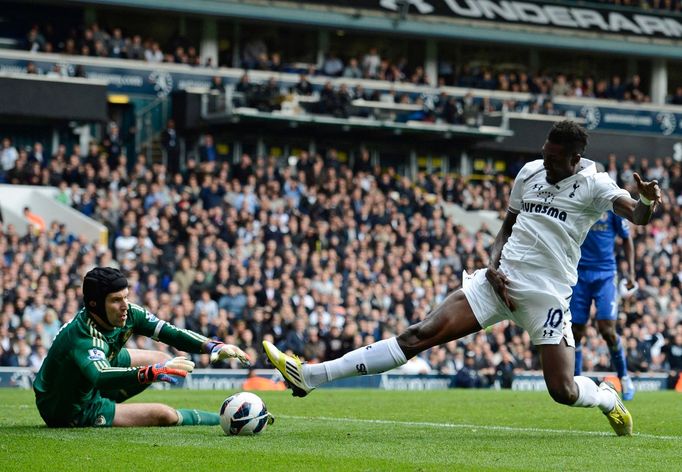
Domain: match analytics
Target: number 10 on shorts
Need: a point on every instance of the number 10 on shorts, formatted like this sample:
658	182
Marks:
554	318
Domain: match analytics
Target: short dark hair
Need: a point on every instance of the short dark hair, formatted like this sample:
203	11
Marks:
570	135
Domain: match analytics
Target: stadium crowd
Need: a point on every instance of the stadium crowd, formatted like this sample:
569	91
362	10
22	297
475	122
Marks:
319	257
96	41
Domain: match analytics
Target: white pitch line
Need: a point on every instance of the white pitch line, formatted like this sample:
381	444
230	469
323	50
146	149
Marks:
475	427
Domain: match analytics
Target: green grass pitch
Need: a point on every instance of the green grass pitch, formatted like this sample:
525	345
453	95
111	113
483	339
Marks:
360	430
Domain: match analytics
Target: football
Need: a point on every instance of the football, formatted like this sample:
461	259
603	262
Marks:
244	414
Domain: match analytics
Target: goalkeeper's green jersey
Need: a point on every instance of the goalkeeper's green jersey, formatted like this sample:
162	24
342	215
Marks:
79	362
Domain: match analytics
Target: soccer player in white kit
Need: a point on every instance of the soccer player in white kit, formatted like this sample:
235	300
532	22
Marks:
554	202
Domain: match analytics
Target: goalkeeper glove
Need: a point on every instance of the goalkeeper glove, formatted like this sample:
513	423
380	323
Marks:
220	351
168	371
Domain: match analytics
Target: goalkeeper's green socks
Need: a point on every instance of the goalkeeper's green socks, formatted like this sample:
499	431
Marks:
188	417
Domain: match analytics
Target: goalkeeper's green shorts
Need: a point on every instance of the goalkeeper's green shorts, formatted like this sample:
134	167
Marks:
99	412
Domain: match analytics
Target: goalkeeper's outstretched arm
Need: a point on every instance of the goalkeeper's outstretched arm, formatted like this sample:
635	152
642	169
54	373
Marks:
102	375
184	339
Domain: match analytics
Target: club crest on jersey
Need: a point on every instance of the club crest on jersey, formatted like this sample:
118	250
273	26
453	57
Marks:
575	187
96	355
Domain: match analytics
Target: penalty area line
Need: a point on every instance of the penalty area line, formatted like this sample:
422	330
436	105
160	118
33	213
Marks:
474	427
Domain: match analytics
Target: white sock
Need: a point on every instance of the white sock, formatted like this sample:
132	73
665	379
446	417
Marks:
372	359
590	395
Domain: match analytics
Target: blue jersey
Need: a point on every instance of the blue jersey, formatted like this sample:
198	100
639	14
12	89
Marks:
597	251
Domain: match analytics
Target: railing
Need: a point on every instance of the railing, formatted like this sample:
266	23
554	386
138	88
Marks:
149	121
138	78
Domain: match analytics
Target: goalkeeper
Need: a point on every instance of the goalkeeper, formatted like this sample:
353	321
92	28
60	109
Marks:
87	373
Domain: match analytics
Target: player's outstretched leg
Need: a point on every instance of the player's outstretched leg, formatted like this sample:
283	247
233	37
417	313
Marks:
303	378
452	319
291	369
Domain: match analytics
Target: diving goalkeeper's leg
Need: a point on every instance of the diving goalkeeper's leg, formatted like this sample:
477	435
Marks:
158	414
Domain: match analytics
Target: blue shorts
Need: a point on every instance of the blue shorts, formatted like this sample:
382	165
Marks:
599	286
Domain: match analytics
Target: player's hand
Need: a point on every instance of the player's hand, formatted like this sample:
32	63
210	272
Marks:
499	282
220	351
630	282
168	371
627	287
649	190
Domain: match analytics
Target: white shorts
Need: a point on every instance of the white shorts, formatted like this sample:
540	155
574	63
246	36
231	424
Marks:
541	304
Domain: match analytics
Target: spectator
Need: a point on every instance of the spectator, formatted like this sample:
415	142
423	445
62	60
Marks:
136	49
296	338
332	65
468	376
352	69
117	44
506	369
254	49
303	87
636	358
154	53
246	89
206	305
8	156
171	146
616	89
36	221
126	244
276	62
113	145
633	90
234	302
217	83
35	41
208	151
561	86
677	97
370	63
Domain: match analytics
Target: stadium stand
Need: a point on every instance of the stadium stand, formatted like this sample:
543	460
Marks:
317	250
317	257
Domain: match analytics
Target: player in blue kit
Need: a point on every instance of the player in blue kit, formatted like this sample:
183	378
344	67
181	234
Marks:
597	282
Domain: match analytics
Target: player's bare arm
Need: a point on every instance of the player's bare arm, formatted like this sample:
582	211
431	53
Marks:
496	278
639	211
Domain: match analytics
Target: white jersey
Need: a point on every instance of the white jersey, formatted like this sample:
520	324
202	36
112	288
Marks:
553	220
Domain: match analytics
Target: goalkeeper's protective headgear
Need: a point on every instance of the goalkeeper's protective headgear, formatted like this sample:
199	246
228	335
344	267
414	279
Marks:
98	283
